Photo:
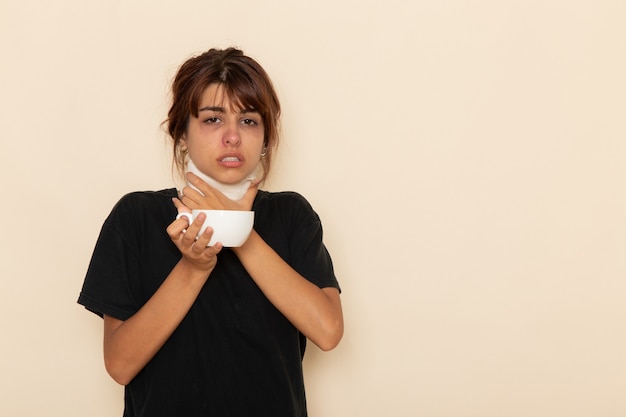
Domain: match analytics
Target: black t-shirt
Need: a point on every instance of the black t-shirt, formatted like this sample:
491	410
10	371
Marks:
234	354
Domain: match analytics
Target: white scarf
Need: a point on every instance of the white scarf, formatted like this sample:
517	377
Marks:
233	191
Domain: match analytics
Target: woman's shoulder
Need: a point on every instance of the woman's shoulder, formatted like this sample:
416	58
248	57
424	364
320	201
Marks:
287	204
284	199
135	205
145	198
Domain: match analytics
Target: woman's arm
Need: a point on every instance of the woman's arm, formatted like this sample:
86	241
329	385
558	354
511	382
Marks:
129	345
315	311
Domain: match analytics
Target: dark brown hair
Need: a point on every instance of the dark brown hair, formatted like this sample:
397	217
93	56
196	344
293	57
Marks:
246	84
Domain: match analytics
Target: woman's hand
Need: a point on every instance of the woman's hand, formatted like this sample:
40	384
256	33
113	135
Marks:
194	251
212	198
315	311
129	345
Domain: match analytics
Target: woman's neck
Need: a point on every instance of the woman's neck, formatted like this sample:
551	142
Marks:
233	191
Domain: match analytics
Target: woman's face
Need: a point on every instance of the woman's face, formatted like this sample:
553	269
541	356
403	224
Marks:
224	142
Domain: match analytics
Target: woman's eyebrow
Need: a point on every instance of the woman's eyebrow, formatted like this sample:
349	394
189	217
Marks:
212	108
218	109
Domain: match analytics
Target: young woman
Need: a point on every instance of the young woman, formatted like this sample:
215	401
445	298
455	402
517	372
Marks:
196	330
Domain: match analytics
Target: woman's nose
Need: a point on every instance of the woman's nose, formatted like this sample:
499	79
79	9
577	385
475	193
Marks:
231	137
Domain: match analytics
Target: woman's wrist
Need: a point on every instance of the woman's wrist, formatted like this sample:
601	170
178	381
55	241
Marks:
191	271
247	245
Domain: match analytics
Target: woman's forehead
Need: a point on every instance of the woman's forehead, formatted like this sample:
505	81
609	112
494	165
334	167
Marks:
218	95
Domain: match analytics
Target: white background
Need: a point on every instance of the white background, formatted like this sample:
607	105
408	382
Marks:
466	159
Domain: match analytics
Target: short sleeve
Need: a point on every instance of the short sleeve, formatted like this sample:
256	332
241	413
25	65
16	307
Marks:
308	254
107	286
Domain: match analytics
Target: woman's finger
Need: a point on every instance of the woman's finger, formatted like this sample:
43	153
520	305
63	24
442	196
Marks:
203	240
194	228
191	198
200	184
180	207
177	227
248	198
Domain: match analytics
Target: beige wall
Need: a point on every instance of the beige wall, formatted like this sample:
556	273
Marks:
466	158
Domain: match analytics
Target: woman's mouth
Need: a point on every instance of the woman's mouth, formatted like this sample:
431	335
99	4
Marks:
231	161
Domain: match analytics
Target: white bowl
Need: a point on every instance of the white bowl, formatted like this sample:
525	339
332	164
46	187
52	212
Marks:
230	227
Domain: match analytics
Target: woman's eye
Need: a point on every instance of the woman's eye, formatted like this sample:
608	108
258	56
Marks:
249	122
211	120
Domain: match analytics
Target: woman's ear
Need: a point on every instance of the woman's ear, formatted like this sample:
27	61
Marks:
182	145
